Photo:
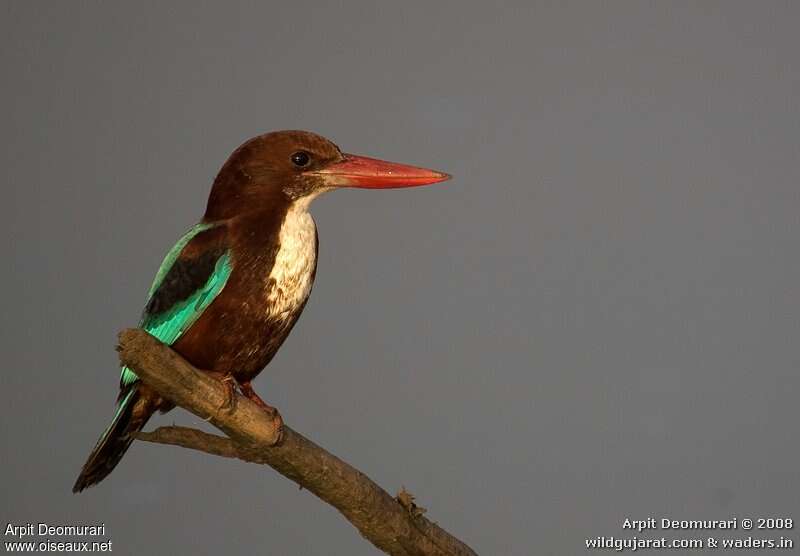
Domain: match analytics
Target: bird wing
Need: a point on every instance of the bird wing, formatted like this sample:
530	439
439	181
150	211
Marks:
191	276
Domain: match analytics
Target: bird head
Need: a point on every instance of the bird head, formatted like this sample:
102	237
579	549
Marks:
293	165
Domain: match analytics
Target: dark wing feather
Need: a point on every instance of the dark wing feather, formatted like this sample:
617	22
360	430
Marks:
191	276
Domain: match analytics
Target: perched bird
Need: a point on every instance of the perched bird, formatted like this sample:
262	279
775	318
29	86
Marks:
231	289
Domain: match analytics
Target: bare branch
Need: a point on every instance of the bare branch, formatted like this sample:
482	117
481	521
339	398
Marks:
254	436
197	440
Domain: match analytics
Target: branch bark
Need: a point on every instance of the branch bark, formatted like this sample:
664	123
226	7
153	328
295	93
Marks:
395	526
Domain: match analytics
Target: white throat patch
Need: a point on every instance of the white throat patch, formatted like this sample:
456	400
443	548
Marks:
290	279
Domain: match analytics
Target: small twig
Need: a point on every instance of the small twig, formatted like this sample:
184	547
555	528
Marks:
253	436
196	440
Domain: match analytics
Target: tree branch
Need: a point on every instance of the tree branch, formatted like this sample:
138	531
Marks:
194	439
396	526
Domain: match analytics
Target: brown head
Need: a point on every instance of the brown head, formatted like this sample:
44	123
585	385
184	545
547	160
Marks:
286	166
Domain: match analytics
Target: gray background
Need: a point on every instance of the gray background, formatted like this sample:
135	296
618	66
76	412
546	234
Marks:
596	319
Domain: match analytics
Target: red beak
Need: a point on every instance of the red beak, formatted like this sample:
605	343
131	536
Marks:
371	173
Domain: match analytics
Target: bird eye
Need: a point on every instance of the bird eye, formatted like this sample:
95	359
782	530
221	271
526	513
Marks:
300	158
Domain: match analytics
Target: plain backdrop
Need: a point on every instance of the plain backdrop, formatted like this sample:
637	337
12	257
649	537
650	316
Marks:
597	318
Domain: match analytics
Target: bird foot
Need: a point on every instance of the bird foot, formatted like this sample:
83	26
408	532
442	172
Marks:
247	391
273	413
229	404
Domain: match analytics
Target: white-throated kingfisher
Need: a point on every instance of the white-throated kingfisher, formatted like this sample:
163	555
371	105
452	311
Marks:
231	289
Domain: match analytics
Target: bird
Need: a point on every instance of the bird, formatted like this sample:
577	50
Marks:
231	289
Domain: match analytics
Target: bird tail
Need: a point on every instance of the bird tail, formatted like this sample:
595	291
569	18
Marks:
133	411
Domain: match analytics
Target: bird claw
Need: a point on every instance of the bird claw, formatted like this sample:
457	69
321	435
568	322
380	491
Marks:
227	380
247	391
273	413
230	399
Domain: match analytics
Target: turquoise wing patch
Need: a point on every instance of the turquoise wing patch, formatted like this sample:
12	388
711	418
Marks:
169	325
